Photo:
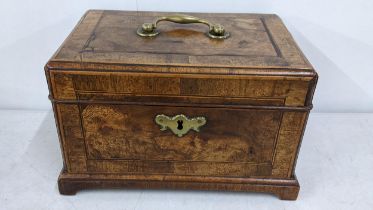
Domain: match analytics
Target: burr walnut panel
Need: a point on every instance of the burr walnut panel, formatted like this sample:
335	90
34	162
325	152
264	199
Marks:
129	132
182	39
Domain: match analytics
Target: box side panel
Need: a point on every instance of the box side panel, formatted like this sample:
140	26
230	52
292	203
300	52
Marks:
71	137
288	142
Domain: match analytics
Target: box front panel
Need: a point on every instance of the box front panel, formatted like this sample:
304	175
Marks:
124	139
106	121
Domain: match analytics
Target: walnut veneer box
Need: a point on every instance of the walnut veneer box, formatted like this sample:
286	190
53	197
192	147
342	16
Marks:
186	106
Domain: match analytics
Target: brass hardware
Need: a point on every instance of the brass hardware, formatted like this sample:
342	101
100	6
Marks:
179	124
216	31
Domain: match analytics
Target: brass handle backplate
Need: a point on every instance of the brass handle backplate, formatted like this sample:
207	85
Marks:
216	31
180	124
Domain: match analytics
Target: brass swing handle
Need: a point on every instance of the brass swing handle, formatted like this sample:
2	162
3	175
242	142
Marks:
216	31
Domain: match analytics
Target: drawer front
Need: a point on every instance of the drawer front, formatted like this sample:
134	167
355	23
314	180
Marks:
125	139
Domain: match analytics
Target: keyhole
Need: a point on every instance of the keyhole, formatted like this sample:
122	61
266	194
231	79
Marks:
180	124
251	151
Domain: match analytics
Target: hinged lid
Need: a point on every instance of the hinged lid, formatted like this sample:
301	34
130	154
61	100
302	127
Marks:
107	40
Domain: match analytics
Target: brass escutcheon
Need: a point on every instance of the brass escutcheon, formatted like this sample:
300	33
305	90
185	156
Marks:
179	124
